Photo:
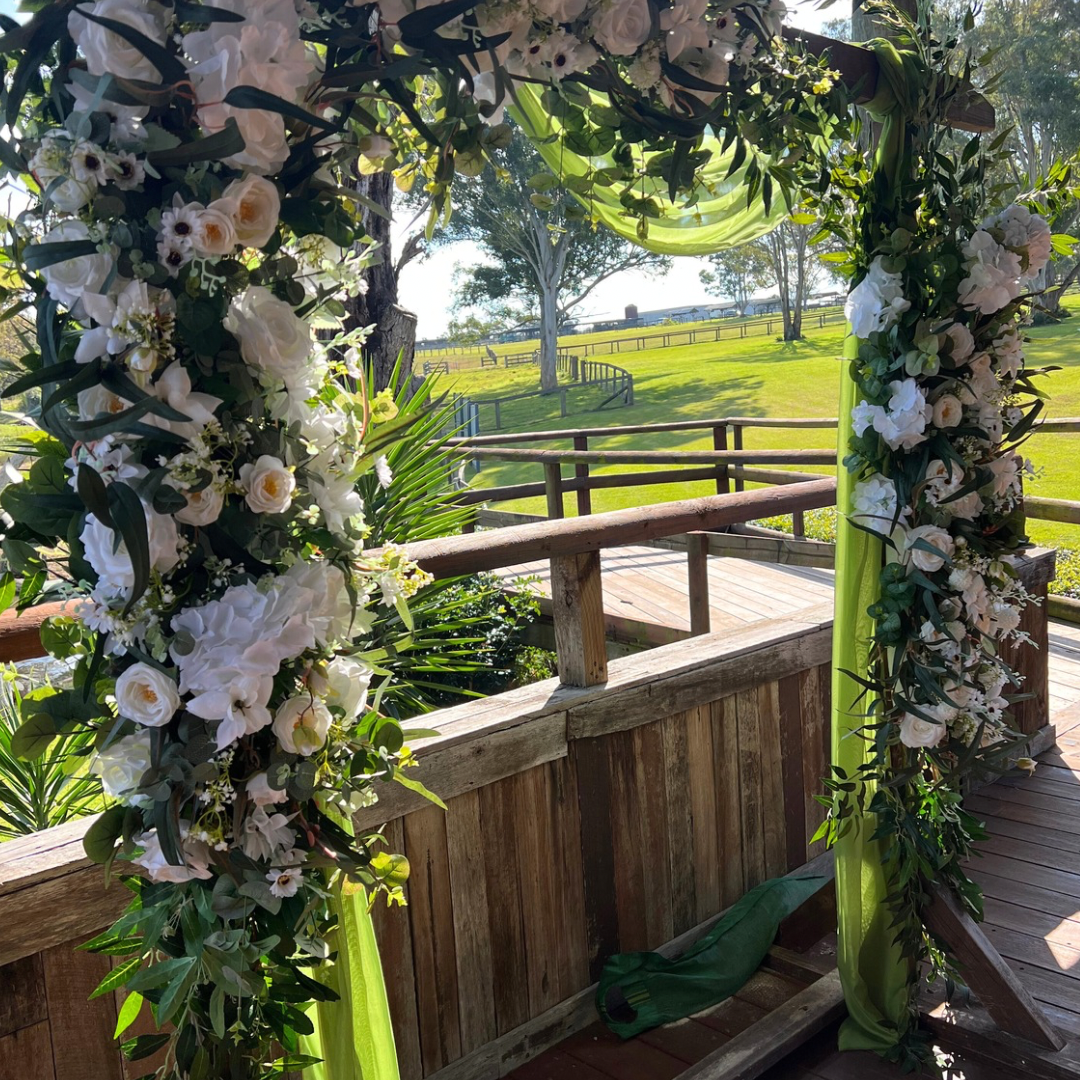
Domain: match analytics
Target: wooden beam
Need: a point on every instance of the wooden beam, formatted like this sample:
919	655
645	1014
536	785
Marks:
971	1030
454	555
773	1037
577	604
991	980
859	71
697	582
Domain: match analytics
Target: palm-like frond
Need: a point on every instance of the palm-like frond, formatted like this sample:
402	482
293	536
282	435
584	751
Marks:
38	794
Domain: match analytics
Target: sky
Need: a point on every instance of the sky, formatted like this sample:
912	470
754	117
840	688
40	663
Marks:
426	287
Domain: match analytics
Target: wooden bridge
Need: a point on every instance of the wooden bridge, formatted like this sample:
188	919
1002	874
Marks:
620	807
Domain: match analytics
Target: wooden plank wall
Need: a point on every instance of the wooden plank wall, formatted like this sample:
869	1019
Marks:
527	884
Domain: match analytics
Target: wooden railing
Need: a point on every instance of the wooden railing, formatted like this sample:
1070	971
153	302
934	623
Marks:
731	468
617	808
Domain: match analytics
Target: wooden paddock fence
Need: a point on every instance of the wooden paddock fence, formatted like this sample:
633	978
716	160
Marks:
617	808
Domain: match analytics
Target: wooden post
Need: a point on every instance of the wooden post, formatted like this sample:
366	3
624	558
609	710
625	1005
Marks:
581	472
697	573
798	525
719	441
992	981
553	489
577	603
737	439
498	421
562	401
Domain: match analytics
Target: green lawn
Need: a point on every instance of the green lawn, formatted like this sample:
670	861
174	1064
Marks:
752	377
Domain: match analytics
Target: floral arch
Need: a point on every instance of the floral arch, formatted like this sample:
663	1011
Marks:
187	174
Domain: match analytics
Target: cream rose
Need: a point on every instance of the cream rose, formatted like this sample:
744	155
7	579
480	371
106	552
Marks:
917	732
215	233
203	507
146	695
120	767
66	281
948	412
272	338
269	485
255	207
622	27
261	793
925	560
302	724
107	52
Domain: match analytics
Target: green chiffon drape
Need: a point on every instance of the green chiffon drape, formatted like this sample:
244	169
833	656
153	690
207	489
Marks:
352	1035
872	969
721	219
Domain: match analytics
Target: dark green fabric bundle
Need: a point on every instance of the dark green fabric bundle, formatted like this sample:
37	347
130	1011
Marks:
639	991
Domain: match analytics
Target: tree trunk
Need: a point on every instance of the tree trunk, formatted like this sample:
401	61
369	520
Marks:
394	332
549	335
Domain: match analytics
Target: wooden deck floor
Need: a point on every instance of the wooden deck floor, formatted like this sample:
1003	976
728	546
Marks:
1029	869
645	598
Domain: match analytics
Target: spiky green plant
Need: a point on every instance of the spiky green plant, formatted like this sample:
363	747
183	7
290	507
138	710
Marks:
50	790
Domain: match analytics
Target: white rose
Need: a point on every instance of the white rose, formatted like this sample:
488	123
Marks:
255	207
916	732
195	853
622	27
347	681
948	412
925	560
111	561
146	695
876	302
66	281
109	52
121	766
269	485
302	724
215	233
203	507
72	195
261	793
272	338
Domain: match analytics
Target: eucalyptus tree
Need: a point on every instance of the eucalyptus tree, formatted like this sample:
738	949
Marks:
542	254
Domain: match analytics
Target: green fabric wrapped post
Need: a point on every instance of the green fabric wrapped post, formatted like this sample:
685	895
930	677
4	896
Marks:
873	972
640	991
872	968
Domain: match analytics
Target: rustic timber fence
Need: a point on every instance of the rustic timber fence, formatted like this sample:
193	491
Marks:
724	330
617	381
731	468
617	808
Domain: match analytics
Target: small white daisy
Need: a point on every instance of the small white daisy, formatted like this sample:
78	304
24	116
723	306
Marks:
89	163
126	170
285	883
174	256
179	225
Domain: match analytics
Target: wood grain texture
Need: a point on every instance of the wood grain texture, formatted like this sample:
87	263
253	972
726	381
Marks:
431	920
790	728
774	816
567	866
467	850
729	799
751	787
577	607
504	905
1001	993
396	952
82	1030
680	821
701	787
27	1054
22	1000
631	897
590	765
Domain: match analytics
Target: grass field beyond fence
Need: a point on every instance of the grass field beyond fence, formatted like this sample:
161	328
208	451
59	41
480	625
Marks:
754	377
